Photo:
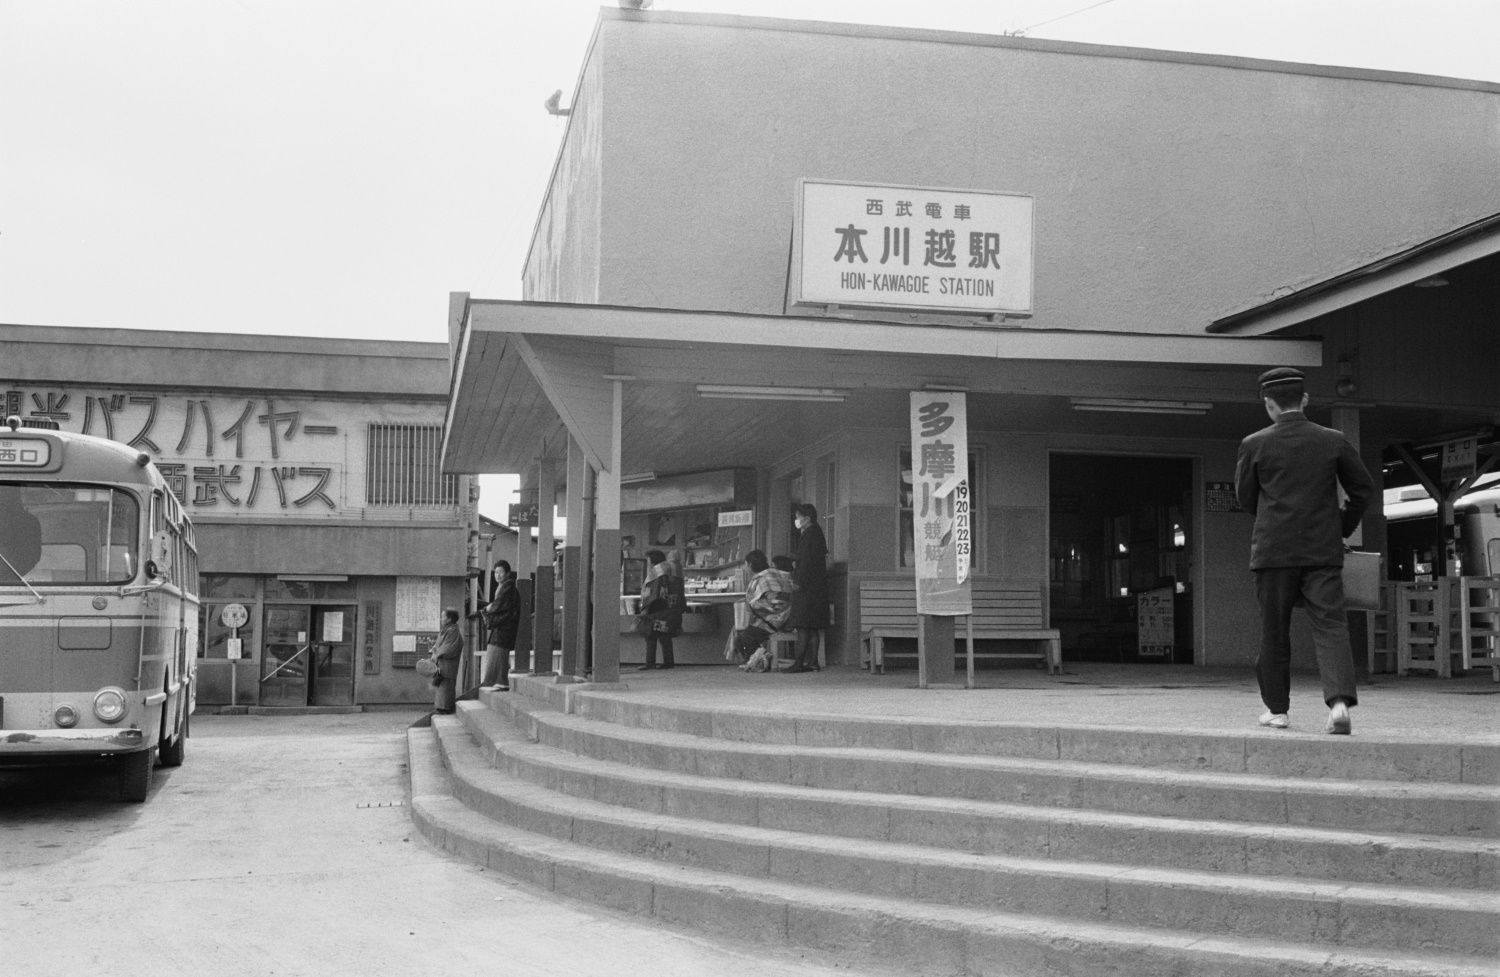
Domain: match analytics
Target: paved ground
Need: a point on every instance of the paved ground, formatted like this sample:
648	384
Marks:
282	846
1417	708
275	850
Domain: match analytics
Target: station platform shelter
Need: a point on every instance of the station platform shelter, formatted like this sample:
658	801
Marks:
749	274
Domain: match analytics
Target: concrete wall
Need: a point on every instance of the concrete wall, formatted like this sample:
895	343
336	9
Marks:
422	551
564	261
1168	192
51	355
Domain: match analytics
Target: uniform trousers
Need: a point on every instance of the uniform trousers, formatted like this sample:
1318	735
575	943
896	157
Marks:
1321	589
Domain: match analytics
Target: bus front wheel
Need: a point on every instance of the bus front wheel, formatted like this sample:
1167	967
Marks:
135	775
171	752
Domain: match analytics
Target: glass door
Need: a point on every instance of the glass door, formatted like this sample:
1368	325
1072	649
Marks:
333	656
284	664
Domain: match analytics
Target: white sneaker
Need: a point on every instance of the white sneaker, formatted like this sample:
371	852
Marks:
1275	720
1339	722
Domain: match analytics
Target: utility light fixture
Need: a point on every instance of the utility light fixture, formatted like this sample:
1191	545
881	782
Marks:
635	478
1130	405
715	391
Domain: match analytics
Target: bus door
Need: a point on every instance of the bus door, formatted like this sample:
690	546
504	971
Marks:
285	662
333	656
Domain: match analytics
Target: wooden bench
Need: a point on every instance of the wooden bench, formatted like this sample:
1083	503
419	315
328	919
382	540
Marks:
1004	610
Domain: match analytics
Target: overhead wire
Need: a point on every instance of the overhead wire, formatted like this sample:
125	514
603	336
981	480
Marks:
1023	30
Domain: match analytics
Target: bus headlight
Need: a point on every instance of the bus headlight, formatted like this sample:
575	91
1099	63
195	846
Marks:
65	716
110	705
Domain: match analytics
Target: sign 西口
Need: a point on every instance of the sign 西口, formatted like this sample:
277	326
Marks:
912	248
1459	458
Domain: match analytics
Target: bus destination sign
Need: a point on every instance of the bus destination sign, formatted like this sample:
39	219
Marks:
25	453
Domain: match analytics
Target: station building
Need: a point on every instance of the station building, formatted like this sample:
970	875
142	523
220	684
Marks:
761	238
329	539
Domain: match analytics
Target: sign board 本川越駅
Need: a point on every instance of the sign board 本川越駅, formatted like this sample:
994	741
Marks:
912	248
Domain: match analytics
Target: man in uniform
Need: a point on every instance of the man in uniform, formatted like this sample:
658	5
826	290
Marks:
1288	477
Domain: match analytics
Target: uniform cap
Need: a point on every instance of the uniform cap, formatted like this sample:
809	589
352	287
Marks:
1279	376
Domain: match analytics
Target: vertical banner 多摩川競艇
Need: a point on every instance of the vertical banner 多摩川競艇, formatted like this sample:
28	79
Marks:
941	522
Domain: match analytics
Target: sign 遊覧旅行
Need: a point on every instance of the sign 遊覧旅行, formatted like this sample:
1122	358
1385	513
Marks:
912	248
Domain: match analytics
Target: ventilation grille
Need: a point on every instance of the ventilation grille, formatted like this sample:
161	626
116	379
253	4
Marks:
405	467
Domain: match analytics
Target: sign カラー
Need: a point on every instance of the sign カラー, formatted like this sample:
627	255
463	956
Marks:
913	248
1155	618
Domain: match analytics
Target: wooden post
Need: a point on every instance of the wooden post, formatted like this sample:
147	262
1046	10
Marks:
542	627
936	650
575	557
607	552
525	567
969	680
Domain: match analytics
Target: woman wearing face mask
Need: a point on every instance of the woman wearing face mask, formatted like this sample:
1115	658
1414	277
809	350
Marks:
810	600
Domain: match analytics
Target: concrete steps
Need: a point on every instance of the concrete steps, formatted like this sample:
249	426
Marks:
733	836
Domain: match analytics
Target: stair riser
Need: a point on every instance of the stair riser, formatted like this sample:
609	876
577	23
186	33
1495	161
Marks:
903	938
918	946
899	942
1256	751
1118	899
1041	835
1344	810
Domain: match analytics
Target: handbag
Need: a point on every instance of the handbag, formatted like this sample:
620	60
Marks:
1361	580
426	666
642	624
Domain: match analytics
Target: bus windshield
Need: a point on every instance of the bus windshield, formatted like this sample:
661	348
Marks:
67	533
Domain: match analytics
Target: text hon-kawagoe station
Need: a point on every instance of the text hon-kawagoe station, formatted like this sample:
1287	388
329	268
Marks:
1003	332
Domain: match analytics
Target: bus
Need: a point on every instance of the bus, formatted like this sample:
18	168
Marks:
1412	533
98	607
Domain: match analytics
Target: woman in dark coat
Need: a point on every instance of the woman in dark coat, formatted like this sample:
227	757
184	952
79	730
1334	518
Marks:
447	652
810	599
502	618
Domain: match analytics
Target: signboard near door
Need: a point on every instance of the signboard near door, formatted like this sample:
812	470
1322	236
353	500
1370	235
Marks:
1156	624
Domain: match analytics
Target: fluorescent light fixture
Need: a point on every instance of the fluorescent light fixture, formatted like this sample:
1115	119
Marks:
637	477
724	392
1129	405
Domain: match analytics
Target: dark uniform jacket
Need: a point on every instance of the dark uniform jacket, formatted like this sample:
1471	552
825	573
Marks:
1287	477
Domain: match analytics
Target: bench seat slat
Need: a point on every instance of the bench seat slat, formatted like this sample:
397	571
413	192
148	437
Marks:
1001	611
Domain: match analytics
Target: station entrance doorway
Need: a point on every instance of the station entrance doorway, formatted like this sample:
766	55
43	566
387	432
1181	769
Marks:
1120	539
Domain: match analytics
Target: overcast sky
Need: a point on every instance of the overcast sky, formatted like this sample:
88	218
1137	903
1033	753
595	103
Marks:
320	168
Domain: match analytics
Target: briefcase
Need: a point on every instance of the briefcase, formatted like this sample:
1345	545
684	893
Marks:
1361	580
